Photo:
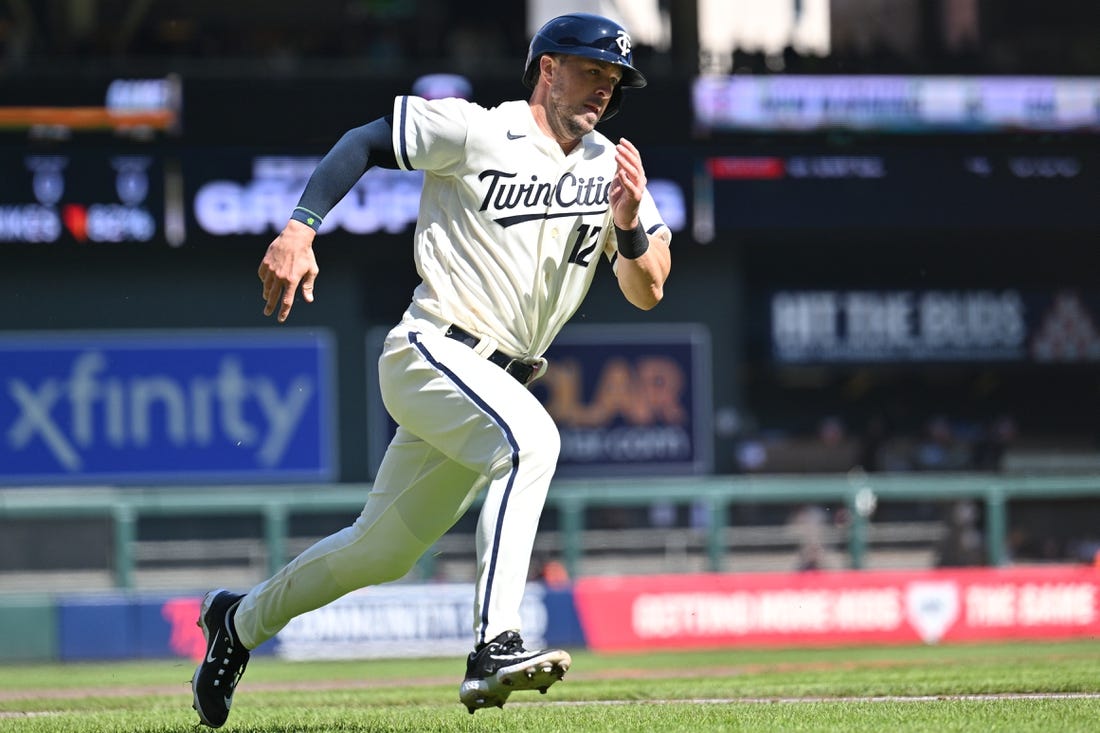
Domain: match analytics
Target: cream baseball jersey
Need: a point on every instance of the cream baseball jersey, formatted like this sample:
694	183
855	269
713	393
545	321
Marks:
518	259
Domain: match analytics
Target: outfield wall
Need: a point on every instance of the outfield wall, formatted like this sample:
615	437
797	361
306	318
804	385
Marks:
608	614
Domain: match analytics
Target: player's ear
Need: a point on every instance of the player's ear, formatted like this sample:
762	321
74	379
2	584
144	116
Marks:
547	64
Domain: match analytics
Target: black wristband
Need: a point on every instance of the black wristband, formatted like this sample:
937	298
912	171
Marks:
632	243
307	217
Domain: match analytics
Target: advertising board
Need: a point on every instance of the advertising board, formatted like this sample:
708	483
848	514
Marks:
627	399
946	326
137	406
833	608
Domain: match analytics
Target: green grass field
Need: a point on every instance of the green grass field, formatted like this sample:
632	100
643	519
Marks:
1004	687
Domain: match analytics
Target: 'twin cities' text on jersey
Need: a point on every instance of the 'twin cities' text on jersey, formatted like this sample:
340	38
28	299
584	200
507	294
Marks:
510	227
570	191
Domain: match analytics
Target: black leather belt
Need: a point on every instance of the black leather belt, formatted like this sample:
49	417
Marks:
521	370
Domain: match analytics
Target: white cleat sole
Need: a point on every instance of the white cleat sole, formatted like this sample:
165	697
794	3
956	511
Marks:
537	673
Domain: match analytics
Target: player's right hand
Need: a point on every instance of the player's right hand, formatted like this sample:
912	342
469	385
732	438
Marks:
288	263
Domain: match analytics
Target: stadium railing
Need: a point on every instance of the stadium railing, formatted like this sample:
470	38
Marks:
274	505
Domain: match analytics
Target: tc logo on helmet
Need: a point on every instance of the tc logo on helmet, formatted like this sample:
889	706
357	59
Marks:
623	41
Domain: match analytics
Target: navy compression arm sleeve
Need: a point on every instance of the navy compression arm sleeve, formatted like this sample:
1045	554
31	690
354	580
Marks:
359	149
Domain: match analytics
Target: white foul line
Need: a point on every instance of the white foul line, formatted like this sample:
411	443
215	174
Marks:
853	698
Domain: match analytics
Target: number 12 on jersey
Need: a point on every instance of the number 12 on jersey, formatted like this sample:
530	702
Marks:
585	244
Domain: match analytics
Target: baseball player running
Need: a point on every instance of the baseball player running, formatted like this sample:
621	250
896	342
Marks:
518	205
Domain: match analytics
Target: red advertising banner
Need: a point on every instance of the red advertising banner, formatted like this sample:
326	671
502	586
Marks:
848	607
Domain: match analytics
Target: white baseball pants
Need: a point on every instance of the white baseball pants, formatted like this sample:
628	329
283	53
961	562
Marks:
464	425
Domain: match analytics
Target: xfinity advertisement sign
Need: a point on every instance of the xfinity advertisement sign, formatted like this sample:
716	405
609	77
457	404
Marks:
166	406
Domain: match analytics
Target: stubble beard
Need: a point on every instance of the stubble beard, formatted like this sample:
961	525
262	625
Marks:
569	121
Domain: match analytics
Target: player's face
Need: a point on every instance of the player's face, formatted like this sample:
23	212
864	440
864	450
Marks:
580	90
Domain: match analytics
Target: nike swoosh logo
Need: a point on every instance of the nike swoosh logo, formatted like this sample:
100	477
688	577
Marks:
513	136
212	643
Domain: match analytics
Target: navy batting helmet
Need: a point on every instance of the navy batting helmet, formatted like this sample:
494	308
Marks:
591	36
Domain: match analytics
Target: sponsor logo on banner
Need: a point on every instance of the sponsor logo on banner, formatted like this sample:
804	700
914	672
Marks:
629	400
382	200
400	621
141	406
185	636
626	400
742	613
838	607
1052	602
833	325
1067	332
821	326
896	103
931	608
770	168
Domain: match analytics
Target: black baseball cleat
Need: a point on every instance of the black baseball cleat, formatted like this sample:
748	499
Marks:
217	675
502	666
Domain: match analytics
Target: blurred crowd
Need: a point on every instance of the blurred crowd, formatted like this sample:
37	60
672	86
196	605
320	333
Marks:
383	35
869	36
943	444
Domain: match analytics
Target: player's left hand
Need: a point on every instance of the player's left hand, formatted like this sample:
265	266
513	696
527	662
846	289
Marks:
628	186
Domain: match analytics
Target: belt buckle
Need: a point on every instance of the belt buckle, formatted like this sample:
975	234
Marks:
520	370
